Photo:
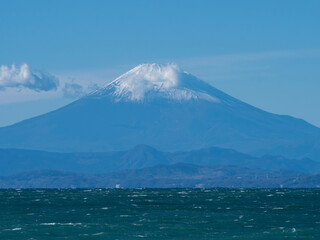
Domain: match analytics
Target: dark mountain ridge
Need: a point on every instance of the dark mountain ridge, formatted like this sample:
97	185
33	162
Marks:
13	161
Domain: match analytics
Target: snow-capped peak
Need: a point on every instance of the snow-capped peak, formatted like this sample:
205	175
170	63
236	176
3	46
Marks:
150	81
145	78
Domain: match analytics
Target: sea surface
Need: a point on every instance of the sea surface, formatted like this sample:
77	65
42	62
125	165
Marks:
160	214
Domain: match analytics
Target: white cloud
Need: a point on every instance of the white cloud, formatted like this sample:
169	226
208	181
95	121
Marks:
23	77
73	90
22	84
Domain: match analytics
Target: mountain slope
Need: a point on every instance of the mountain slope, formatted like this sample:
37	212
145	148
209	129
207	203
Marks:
166	108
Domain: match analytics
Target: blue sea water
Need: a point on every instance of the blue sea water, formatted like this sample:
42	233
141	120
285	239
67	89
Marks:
160	214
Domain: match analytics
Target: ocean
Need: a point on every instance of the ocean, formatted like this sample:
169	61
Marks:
193	214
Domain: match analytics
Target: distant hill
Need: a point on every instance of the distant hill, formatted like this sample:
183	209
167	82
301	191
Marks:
178	175
13	161
164	107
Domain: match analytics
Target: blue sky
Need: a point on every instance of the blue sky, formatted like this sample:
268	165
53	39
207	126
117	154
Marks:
266	53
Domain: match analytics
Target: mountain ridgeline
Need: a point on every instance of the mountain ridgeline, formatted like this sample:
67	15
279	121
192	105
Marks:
15	161
144	166
168	109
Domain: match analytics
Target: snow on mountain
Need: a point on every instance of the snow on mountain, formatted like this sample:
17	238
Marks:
150	81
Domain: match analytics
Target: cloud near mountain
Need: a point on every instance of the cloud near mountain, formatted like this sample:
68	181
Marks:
24	77
73	90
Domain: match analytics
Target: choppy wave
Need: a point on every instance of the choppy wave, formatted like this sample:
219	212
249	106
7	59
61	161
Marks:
160	214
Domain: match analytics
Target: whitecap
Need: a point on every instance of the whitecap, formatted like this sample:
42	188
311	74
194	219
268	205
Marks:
16	229
48	224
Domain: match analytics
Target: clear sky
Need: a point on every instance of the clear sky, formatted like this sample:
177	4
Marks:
266	53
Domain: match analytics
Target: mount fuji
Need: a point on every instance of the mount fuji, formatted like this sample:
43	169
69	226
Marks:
167	108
